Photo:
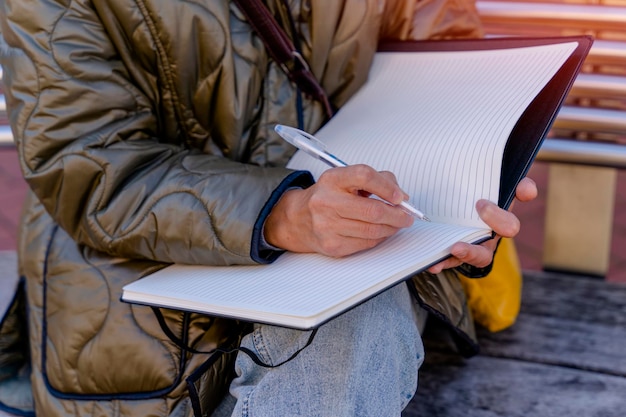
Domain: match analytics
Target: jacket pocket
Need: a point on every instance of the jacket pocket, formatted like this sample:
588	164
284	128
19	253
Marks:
93	346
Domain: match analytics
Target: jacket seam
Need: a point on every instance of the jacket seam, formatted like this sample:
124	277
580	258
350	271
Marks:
36	103
145	215
16	411
167	71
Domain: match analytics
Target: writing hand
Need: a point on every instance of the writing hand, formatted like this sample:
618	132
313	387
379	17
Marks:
333	217
504	223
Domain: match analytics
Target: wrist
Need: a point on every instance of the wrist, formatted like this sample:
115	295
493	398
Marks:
280	229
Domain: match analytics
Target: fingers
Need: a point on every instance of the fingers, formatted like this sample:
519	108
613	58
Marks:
526	190
351	185
334	217
477	255
503	222
369	212
362	178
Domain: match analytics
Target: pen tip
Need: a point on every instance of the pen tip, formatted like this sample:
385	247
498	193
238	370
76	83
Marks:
426	219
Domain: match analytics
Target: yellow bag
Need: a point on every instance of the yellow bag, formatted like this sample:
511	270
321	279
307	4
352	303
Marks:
495	299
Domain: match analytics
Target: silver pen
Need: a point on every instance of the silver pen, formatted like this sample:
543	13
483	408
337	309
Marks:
317	149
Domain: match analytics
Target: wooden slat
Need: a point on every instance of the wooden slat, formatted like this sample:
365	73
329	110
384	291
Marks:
600	86
591	119
6	136
8	279
492	387
564	16
606	52
560	342
587	300
583	153
563	357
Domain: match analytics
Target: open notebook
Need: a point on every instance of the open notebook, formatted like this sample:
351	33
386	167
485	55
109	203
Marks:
456	121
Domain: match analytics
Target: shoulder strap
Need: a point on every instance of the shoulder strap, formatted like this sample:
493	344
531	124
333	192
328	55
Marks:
282	50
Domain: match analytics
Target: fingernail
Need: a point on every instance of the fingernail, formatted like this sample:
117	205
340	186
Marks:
462	253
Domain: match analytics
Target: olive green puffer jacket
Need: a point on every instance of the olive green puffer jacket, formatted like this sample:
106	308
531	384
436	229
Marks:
144	130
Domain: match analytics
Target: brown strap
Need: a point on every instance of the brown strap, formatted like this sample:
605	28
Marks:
282	50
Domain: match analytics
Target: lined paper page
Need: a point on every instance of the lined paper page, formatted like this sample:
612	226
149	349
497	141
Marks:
439	121
285	289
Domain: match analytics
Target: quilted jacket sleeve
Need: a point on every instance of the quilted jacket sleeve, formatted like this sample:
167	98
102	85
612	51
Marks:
90	150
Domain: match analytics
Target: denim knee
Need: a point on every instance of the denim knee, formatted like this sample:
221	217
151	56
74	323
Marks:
364	362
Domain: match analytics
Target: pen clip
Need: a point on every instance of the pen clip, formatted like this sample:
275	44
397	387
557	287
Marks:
301	139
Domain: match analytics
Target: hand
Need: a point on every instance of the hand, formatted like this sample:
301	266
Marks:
504	223
334	217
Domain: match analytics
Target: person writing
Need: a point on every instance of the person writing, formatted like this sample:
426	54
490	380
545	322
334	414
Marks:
144	131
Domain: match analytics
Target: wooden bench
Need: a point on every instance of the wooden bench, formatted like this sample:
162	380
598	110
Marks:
564	357
587	142
565	354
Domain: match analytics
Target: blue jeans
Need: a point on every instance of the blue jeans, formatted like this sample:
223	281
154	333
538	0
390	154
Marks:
362	363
